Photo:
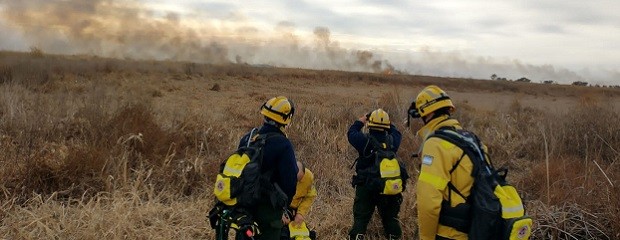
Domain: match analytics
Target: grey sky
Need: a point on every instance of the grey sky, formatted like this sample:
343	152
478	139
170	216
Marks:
531	38
556	40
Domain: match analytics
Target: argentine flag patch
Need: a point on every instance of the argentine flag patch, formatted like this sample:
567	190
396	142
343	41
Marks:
427	159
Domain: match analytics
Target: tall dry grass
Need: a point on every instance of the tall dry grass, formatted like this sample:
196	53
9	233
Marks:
118	149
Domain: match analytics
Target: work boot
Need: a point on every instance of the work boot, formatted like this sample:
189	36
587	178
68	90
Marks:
393	237
357	237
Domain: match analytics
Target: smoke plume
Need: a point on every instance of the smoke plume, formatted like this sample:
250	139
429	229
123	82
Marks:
128	29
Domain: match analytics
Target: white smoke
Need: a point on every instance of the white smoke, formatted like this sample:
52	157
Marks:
129	29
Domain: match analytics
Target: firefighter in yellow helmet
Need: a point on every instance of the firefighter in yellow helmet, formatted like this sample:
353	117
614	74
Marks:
299	209
367	196
278	157
440	169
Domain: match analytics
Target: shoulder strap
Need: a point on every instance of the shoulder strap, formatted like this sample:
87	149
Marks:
388	144
470	146
261	139
258	141
375	144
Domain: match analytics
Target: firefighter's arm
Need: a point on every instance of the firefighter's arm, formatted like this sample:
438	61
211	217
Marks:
308	200
287	171
396	137
432	182
356	136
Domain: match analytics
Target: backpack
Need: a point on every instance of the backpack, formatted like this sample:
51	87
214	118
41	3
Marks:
241	182
494	209
223	218
387	174
300	232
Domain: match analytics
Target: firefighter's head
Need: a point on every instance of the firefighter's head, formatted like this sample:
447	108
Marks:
278	110
430	102
378	120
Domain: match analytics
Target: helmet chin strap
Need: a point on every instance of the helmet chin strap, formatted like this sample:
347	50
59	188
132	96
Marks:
428	118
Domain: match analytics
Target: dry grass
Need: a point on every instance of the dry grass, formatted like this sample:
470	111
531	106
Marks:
118	149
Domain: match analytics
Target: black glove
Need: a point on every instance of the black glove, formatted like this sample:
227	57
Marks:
413	111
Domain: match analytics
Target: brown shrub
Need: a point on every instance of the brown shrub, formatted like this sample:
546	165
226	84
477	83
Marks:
91	153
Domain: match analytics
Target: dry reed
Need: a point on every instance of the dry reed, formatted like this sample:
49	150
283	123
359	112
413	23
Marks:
101	148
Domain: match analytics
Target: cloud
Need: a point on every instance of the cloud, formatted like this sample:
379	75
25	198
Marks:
550	28
593	12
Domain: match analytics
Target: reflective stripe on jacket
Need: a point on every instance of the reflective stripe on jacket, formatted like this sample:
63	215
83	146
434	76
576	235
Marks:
438	157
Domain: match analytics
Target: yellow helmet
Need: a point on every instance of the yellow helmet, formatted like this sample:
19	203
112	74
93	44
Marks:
279	109
430	99
379	119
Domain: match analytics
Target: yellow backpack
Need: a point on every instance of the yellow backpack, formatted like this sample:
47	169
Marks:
387	174
389	170
240	181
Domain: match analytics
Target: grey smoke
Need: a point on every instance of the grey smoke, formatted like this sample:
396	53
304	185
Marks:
128	29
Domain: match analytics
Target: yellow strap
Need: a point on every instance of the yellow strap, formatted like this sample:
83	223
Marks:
434	180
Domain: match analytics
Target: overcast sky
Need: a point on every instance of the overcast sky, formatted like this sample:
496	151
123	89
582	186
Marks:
561	40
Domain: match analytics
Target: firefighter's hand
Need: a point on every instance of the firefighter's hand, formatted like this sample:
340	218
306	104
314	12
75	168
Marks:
285	219
298	219
363	119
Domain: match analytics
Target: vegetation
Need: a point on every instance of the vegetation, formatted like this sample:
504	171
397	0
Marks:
580	83
98	148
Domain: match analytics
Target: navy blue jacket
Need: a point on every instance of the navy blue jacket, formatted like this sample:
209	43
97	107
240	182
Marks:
360	141
278	154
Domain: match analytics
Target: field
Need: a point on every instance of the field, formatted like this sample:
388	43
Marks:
96	148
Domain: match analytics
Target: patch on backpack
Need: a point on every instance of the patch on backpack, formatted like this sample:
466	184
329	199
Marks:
219	185
427	159
395	186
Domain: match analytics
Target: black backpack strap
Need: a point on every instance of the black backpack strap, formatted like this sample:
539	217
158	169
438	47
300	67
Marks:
469	147
451	135
375	143
261	138
363	151
389	142
450	185
275	192
260	141
370	141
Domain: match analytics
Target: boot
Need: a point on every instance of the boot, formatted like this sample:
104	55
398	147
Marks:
393	237
312	235
359	236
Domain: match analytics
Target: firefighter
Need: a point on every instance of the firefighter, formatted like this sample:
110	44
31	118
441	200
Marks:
434	108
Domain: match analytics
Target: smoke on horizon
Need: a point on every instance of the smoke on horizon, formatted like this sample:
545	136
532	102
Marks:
129	29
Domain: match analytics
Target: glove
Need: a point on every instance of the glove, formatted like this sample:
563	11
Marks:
413	112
